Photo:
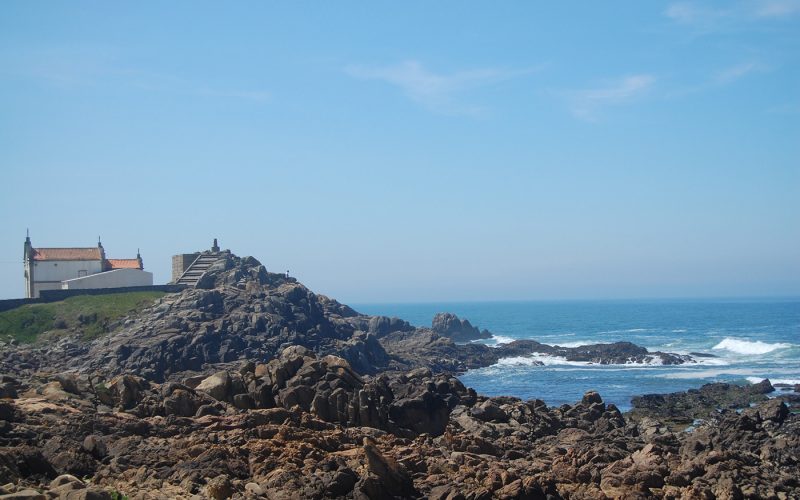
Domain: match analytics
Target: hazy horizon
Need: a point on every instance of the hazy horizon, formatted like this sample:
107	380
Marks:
414	153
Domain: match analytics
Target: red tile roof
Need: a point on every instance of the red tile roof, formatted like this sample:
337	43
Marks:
122	264
91	253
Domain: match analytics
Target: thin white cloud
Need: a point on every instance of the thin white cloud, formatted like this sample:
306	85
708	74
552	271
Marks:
435	91
588	103
787	108
736	72
708	17
777	8
699	17
687	13
718	79
96	67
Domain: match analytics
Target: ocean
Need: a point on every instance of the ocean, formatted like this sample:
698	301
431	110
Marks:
750	340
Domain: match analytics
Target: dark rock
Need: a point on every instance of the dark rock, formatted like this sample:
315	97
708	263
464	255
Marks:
219	488
183	402
124	391
217	386
95	445
66	479
380	326
340	482
386	478
591	397
763	387
449	325
683	407
6	410
424	413
26	494
244	402
69	382
774	410
489	411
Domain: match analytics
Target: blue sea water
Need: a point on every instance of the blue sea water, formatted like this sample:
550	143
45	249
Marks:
750	339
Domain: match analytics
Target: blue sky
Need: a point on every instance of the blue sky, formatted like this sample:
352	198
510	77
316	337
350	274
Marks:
413	151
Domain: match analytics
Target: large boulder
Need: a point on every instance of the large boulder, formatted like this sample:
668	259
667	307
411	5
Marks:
460	330
217	386
384	478
124	391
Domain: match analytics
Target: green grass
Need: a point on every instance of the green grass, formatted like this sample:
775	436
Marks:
87	315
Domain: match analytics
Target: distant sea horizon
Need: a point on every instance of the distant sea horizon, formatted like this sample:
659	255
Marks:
721	298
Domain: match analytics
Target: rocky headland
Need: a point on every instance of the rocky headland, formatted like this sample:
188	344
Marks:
252	386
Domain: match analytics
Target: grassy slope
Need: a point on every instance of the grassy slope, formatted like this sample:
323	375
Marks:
88	315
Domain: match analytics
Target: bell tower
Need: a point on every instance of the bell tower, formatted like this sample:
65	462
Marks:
29	266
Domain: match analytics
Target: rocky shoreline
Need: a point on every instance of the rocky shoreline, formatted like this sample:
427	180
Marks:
252	386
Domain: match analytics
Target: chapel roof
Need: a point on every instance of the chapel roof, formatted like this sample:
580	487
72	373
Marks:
123	264
90	253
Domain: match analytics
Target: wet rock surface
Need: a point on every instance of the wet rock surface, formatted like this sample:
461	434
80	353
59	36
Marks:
682	408
252	386
617	353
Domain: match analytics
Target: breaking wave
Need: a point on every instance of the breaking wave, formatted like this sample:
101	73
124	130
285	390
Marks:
500	339
748	347
773	381
576	343
548	360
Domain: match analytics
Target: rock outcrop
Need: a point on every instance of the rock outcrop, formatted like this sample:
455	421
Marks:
459	330
682	408
308	426
617	353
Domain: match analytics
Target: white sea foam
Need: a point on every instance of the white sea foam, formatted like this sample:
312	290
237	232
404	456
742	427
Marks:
629	330
516	361
773	381
500	339
537	359
708	373
697	360
679	330
576	343
787	381
749	347
548	360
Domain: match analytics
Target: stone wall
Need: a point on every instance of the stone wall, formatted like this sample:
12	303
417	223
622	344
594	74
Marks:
57	295
116	278
181	262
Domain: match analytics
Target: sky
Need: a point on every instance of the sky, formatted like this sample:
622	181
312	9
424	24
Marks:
413	151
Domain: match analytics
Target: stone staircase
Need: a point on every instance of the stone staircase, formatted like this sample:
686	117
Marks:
192	275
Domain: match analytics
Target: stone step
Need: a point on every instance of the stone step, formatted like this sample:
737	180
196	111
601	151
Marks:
195	271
